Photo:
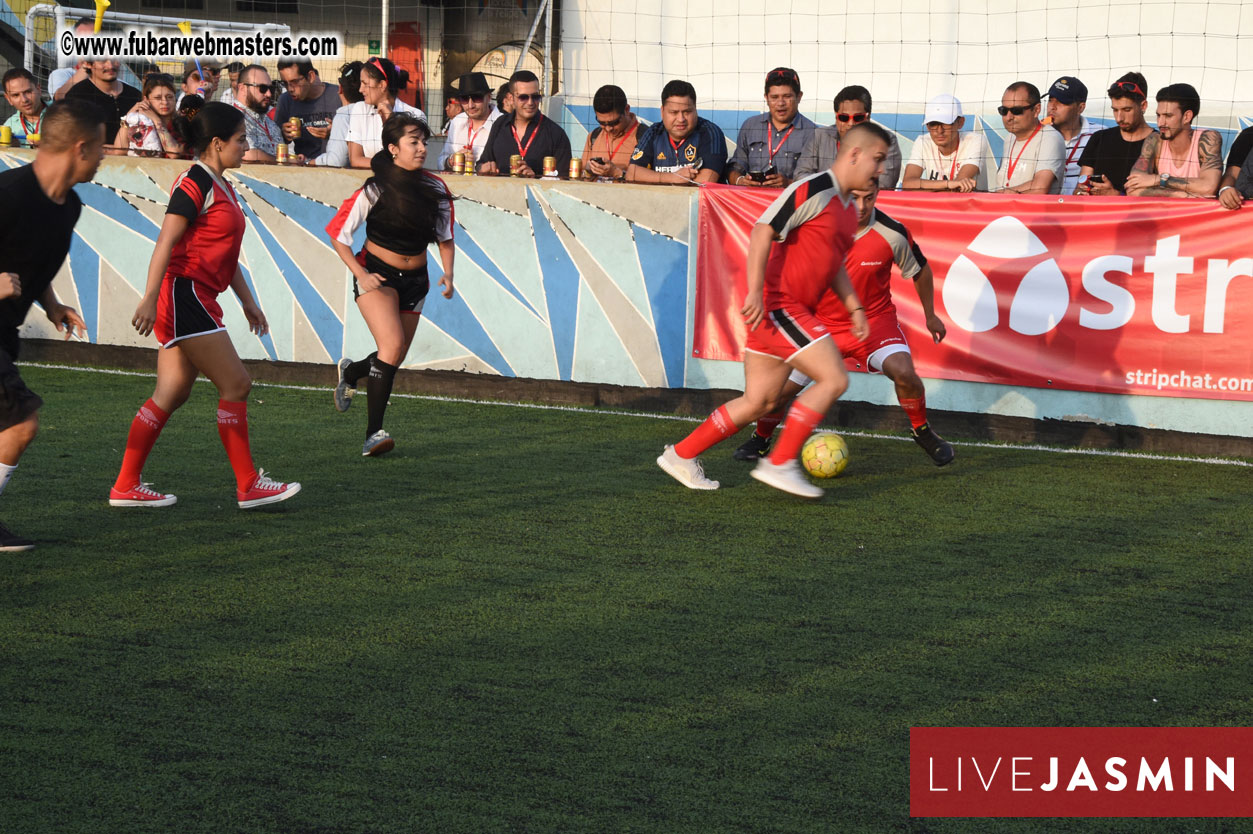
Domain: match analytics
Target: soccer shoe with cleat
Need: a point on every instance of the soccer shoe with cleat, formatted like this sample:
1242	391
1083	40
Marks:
379	443
11	542
755	448
343	391
139	496
940	450
787	477
687	472
265	490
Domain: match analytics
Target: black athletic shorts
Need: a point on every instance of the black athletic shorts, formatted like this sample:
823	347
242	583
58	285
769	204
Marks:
17	402
411	285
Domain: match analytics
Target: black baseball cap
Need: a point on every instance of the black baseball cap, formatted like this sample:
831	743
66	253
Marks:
1068	90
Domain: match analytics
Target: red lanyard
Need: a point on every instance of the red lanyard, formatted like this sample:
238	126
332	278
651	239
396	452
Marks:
26	127
1009	170
471	132
522	150
774	150
939	160
675	147
621	142
1070	156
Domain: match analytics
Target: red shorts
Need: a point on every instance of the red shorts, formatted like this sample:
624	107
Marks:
785	333
186	308
886	338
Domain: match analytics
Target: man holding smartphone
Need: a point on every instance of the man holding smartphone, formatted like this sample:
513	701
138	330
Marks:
608	149
771	143
1110	154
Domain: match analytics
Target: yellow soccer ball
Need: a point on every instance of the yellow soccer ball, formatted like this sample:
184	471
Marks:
825	455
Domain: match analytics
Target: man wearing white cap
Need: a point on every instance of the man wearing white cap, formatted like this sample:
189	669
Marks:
946	159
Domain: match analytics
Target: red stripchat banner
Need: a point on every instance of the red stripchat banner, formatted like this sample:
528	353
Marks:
1081	772
1119	295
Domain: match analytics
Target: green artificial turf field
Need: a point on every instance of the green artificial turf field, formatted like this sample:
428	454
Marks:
517	623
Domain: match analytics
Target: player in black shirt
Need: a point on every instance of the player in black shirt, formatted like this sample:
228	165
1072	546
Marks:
38	203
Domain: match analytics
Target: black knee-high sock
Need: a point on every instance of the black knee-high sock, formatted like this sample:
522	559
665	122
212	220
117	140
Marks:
358	369
377	392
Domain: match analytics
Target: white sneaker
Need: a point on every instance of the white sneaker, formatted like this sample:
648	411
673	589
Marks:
787	477
687	472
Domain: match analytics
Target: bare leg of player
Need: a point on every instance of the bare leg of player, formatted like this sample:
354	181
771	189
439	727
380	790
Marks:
820	362
763	377
899	367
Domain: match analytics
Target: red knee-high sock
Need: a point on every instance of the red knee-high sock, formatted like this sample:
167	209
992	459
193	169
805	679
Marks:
766	425
800	423
916	408
145	429
233	429
716	428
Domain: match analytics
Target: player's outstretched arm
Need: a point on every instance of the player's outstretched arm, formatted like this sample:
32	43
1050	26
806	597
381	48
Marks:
760	239
924	285
172	230
843	287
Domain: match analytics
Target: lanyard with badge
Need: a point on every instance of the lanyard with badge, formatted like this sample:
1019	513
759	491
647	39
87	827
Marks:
522	150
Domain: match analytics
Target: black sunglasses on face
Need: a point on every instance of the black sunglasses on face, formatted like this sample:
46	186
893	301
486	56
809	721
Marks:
264	88
468	99
855	118
610	124
1017	111
535	97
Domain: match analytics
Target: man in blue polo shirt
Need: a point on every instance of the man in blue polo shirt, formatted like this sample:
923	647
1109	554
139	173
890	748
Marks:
683	147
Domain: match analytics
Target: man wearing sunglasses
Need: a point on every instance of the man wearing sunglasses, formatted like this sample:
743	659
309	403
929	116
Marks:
852	107
682	148
526	133
946	159
607	152
469	129
1107	160
1035	157
771	143
253	95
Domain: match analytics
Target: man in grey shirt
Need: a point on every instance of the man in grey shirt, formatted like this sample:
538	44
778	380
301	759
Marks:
770	144
852	107
309	98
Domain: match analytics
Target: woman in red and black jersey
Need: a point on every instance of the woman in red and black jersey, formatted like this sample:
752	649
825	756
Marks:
405	210
195	259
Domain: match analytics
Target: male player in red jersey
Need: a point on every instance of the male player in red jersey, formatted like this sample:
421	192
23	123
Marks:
879	243
795	256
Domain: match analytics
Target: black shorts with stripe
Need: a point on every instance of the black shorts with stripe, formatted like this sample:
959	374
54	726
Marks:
17	402
411	285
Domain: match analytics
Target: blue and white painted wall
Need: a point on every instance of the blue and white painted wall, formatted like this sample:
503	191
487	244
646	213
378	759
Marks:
561	281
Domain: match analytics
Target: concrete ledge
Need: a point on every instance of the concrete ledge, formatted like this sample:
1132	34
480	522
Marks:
694	402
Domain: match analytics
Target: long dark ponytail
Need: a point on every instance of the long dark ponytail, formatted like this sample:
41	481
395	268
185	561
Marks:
412	199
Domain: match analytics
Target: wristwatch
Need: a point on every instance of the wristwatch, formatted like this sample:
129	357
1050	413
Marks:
1162	180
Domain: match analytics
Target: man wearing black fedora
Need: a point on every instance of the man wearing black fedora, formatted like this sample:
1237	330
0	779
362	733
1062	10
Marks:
468	131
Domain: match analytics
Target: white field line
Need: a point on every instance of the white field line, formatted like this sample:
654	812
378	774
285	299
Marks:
1028	447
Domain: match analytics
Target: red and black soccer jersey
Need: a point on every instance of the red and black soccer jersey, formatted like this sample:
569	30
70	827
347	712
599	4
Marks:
389	233
814	224
881	244
208	252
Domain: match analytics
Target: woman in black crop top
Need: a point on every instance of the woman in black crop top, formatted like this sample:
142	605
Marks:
404	210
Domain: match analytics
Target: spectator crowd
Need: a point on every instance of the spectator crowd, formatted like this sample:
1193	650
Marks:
1050	147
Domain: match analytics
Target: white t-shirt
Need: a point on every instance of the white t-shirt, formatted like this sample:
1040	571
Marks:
1074	150
366	128
336	154
57	79
971	150
1044	150
459	134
